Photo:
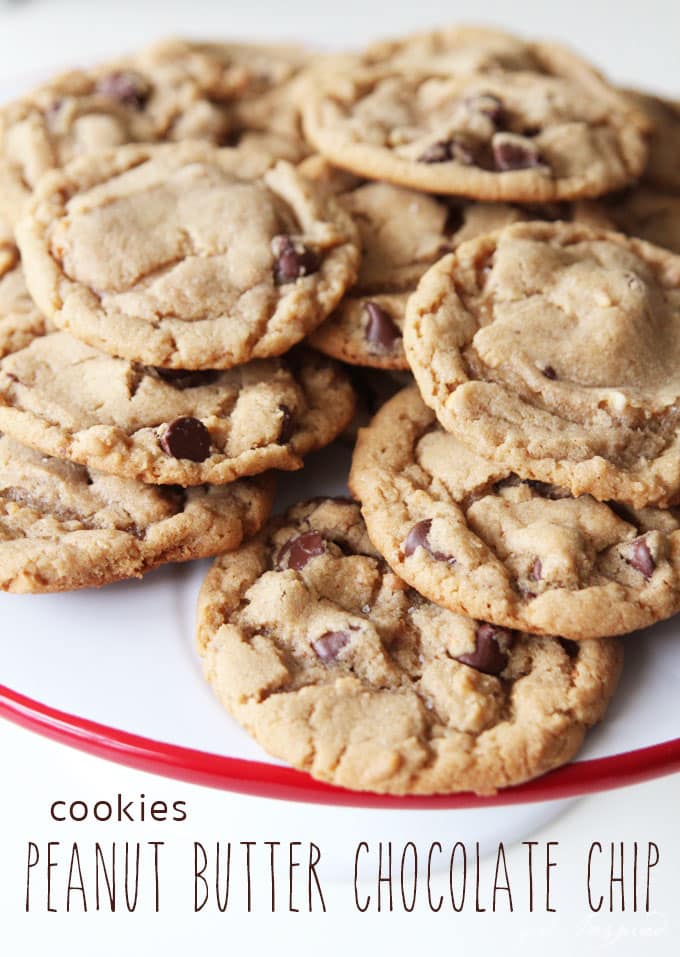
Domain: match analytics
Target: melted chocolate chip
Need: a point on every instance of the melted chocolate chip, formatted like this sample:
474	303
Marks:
287	425
549	372
381	329
186	438
186	378
537	570
126	87
512	153
488	656
328	646
298	551
443	151
418	538
292	260
641	558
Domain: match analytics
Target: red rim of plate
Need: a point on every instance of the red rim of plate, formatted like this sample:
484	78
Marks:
273	781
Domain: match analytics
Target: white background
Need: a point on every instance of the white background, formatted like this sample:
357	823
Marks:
636	44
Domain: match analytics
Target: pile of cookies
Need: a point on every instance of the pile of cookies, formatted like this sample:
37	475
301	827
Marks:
213	251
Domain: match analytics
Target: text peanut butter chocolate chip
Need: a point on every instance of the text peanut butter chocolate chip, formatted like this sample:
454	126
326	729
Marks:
640	557
125	87
488	656
381	329
292	260
511	152
328	646
418	538
298	551
186	438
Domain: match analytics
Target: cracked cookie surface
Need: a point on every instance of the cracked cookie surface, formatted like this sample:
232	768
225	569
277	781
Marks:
64	527
165	255
334	664
532	123
165	426
554	349
471	535
174	90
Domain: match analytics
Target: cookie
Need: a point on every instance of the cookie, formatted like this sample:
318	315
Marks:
663	169
166	256
64	527
540	126
20	319
471	535
167	426
335	665
174	90
554	349
645	212
402	233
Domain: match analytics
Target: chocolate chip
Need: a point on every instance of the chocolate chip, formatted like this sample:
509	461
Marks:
186	438
487	104
287	425
298	551
126	87
187	378
443	151
512	152
571	647
488	656
418	538
381	329
328	646
641	558
293	260
549	372
537	570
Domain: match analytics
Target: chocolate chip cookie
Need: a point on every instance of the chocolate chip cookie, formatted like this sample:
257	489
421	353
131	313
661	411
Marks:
645	212
473	536
170	426
334	664
663	169
174	90
64	527
166	255
554	349
402	233
20	319
540	125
